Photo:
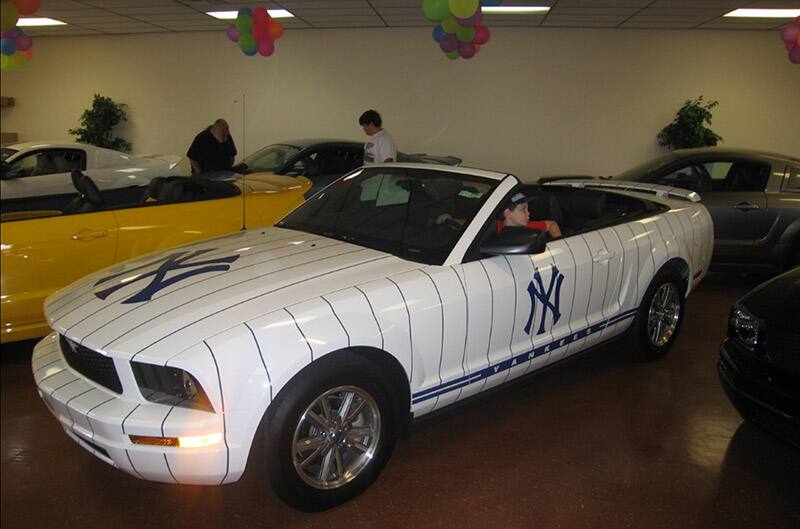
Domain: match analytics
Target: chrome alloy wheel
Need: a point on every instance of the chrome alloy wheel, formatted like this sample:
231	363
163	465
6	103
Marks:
337	437
662	318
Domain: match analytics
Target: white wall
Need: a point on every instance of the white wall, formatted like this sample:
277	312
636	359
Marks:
534	101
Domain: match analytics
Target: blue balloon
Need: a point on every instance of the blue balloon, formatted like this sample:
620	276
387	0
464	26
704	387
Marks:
490	3
438	33
8	46
247	12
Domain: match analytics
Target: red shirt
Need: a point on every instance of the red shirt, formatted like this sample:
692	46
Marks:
535	224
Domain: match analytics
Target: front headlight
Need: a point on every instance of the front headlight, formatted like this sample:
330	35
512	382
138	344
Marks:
171	386
746	328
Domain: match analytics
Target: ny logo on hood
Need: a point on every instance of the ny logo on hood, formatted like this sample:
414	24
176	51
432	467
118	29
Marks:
175	261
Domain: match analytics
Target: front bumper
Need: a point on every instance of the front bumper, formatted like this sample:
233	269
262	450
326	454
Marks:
759	396
101	421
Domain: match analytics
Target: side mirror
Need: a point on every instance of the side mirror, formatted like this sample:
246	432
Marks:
515	241
240	168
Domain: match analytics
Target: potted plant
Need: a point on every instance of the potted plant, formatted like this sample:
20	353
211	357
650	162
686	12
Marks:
689	129
98	122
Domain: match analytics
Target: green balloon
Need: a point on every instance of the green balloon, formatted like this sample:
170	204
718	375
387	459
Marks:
247	43
9	15
436	10
244	23
452	55
464	8
465	33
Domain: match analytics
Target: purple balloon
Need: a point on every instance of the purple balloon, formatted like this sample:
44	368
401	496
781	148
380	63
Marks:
789	33
466	49
23	42
8	33
449	42
233	33
471	21
794	55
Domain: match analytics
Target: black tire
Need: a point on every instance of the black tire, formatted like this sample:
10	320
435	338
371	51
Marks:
646	347
317	487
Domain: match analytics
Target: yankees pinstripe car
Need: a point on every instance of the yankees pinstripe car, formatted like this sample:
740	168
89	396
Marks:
385	297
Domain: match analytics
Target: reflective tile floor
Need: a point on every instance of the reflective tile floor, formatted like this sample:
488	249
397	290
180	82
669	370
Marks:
599	443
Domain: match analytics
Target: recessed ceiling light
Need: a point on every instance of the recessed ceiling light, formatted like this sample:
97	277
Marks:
26	22
515	10
764	13
230	15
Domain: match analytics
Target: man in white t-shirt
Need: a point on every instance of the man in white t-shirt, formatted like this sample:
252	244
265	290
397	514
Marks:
380	146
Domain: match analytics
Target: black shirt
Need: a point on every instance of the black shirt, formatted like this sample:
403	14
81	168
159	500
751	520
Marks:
211	154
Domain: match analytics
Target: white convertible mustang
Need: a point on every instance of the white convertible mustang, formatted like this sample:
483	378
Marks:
43	168
389	295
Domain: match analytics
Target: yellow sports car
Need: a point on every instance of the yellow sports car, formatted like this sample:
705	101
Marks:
49	242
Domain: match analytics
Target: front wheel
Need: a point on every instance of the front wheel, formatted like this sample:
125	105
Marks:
660	315
329	433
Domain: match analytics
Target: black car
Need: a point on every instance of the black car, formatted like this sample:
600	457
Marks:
759	364
321	160
753	198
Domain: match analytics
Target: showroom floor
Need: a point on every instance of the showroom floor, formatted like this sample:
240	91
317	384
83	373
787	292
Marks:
598	443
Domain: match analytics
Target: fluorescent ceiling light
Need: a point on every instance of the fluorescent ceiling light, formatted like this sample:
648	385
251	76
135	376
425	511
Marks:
764	13
230	15
27	22
515	10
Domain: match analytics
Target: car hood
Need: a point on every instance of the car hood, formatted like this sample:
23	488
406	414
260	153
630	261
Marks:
156	306
777	300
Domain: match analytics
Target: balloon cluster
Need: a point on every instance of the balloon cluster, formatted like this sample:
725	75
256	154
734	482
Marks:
255	31
791	39
459	32
15	45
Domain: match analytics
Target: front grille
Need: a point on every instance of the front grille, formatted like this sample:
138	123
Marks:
783	349
91	364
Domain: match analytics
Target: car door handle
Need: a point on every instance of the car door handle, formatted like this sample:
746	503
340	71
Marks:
602	256
88	235
745	206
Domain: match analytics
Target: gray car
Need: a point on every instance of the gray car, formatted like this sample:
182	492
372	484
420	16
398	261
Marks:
753	198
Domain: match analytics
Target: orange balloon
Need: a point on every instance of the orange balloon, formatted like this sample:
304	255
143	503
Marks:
28	54
275	29
26	7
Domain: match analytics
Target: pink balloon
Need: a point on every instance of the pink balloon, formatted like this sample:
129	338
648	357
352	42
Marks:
23	42
797	22
789	33
794	55
266	47
8	33
260	16
466	49
260	31
481	35
233	33
789	45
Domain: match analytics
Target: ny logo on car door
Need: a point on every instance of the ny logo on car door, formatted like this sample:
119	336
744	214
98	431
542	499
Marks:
549	299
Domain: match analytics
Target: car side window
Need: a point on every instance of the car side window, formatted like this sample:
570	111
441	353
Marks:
792	183
693	177
50	161
737	176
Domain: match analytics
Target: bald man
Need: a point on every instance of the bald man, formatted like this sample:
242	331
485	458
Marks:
213	149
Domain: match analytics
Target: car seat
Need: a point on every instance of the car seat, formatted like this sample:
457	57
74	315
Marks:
89	197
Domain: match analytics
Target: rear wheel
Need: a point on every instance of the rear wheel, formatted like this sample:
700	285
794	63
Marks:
660	316
329	433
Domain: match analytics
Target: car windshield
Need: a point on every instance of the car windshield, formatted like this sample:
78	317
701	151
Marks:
641	170
5	152
270	158
416	214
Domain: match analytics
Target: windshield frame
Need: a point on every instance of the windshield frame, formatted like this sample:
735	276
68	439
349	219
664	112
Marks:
291	152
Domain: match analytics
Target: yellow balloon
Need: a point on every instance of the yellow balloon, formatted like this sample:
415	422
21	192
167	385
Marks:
450	25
